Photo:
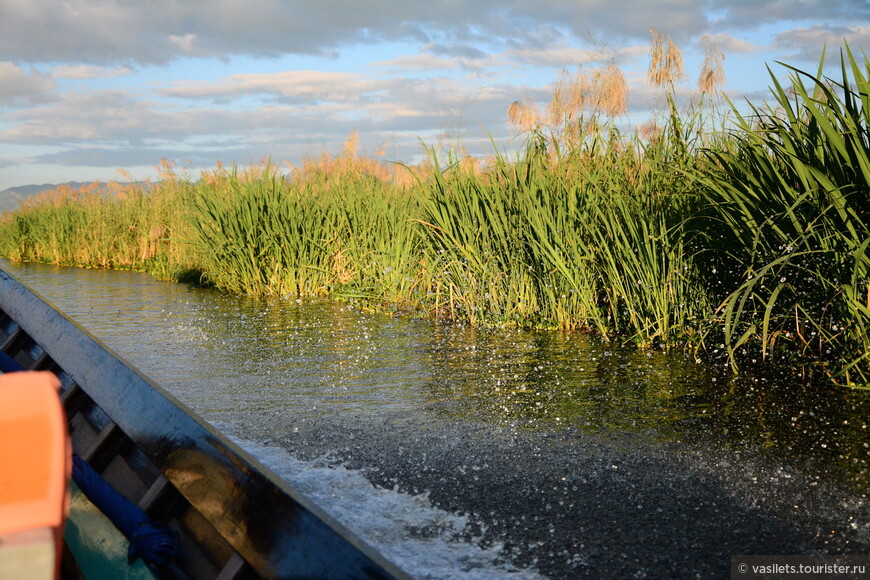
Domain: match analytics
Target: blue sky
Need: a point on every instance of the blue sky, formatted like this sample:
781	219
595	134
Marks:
88	87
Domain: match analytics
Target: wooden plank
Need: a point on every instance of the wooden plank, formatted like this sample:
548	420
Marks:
157	490
41	362
233	569
9	344
73	399
109	436
71	392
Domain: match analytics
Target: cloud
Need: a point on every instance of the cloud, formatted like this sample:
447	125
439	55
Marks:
115	32
99	118
526	57
84	71
571	57
443	68
743	15
296	113
19	88
729	44
350	97
119	157
423	63
807	43
301	85
457	50
125	32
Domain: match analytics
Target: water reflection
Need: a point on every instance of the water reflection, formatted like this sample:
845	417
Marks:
547	380
223	355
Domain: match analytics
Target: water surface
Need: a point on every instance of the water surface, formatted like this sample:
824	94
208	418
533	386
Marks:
544	452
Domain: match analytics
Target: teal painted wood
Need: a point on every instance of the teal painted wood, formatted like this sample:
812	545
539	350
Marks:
100	550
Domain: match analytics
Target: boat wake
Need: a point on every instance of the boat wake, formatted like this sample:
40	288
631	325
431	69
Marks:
427	542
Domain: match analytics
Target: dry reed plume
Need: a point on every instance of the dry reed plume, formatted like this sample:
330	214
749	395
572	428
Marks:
666	61
577	104
349	164
523	116
713	67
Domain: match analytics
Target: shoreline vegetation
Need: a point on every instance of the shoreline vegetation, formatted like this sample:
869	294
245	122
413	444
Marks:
740	235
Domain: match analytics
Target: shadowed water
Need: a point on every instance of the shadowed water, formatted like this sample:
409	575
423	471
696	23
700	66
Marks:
548	451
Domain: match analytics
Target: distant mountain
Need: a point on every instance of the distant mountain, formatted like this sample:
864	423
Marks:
11	197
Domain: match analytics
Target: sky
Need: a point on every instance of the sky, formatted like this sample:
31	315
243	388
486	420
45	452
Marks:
105	89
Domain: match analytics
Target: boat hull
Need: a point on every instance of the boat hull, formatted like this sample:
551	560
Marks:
236	519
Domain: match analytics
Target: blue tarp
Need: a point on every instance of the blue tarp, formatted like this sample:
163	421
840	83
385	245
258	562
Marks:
9	364
154	542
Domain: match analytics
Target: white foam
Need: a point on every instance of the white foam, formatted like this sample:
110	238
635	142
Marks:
425	541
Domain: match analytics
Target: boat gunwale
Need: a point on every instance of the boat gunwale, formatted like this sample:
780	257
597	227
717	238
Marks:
293	536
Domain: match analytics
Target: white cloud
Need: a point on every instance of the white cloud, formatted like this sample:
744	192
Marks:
419	62
23	88
304	111
729	44
528	57
184	43
807	43
84	71
119	31
298	84
571	57
424	62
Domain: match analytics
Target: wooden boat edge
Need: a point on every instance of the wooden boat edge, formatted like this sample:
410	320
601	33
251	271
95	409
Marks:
286	536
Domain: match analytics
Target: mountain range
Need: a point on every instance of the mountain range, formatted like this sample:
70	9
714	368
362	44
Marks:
11	197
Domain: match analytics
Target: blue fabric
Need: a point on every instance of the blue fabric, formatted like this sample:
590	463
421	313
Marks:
9	364
154	542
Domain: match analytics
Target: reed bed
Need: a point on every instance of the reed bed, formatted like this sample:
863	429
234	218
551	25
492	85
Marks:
789	198
589	241
751	241
104	226
267	234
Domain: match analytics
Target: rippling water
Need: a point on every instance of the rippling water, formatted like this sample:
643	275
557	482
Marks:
541	451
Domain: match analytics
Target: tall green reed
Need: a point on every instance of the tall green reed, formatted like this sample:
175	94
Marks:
478	259
260	236
101	226
376	253
639	246
584	240
790	201
263	233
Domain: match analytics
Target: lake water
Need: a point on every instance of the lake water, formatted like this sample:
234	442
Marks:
468	453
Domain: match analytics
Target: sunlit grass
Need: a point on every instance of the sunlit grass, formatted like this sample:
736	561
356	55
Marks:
103	226
307	234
